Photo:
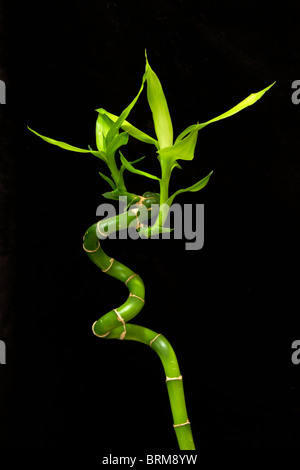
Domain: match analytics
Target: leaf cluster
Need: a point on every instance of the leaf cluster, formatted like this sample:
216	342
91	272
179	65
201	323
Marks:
112	132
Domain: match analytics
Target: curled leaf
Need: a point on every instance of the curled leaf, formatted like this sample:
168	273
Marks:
159	107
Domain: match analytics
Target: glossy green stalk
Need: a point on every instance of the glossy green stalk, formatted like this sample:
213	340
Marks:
114	324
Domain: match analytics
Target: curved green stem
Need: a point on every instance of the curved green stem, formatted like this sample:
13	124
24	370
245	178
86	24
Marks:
114	324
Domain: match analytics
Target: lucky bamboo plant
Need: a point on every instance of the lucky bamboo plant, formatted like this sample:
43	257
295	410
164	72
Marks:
113	132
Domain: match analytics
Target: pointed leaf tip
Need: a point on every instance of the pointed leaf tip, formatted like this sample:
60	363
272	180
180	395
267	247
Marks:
195	187
60	144
250	100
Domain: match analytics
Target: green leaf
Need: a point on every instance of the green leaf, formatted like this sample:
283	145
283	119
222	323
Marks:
118	123
251	99
182	150
108	180
188	130
123	168
159	107
119	140
103	125
137	160
133	131
131	168
114	195
63	145
195	187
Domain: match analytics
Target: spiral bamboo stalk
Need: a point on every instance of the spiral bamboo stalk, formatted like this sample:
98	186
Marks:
114	324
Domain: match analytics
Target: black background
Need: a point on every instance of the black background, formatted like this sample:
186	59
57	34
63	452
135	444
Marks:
231	309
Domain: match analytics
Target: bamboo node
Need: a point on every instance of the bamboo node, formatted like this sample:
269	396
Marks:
182	424
123	334
111	263
173	378
91	251
98	228
96	334
121	319
130	277
152	341
137	297
135	210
